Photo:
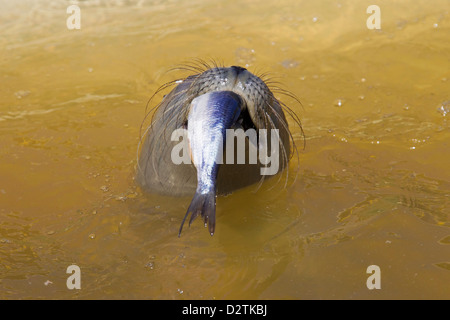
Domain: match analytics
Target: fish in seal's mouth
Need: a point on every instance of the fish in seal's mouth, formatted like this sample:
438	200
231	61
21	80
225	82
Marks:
202	111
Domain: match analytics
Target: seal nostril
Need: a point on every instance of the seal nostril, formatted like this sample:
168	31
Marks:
238	69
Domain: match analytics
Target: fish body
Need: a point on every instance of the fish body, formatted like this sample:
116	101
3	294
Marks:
211	114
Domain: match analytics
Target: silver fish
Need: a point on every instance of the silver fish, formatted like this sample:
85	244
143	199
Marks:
210	115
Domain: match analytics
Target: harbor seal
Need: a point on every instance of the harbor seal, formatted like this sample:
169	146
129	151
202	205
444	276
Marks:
203	107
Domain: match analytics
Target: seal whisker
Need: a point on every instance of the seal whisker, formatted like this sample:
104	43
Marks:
284	124
164	86
284	157
292	114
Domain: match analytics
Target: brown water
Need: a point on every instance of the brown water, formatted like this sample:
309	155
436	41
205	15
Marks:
373	185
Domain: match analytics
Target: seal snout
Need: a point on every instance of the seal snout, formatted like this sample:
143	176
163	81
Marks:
234	78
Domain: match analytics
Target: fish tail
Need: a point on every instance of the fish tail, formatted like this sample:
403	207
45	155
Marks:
203	204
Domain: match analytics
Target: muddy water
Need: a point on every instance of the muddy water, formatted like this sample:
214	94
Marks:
372	185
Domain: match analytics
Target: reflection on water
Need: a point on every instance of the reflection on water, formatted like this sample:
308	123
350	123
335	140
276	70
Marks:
372	188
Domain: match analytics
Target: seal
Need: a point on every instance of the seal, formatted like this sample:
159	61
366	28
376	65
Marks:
204	106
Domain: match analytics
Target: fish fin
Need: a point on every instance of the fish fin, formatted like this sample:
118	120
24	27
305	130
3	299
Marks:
203	204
